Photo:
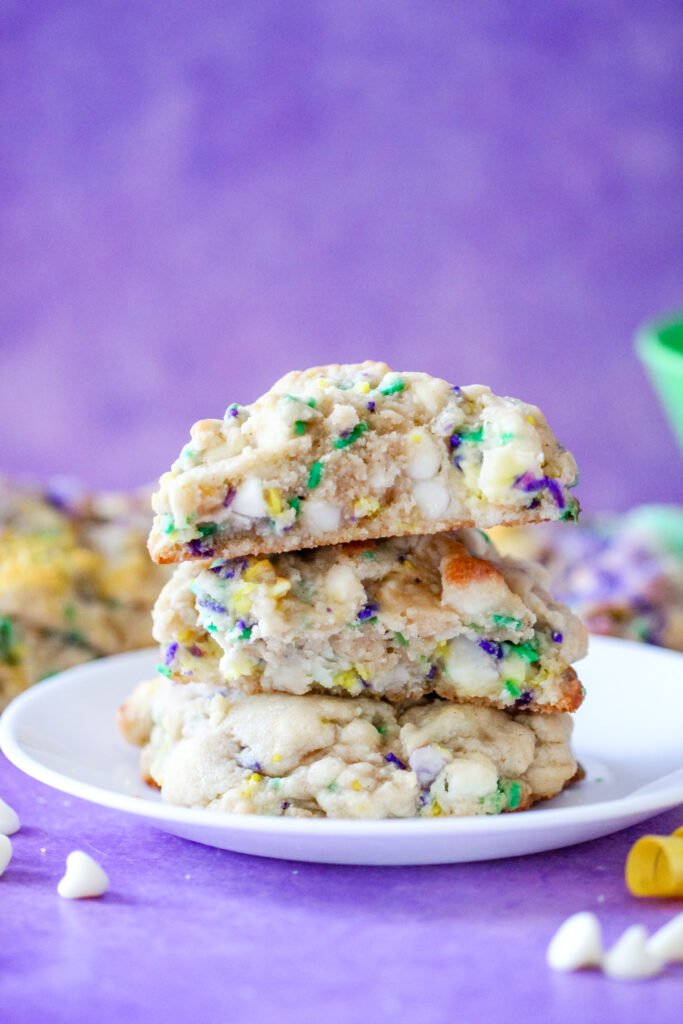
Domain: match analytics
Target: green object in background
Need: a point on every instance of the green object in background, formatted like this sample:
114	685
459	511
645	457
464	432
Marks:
660	348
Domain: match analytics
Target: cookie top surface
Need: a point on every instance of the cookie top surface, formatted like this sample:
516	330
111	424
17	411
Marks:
342	453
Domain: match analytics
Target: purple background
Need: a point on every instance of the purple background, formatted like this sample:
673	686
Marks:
196	197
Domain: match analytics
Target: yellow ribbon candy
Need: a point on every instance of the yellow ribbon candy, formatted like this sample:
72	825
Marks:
654	866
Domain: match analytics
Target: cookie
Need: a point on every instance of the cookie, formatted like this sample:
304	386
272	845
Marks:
344	453
396	618
621	574
313	756
76	580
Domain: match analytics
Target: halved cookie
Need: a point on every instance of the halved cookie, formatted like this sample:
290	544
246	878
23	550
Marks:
343	453
396	618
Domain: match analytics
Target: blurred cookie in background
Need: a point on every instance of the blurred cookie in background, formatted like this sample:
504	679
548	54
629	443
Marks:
622	574
76	581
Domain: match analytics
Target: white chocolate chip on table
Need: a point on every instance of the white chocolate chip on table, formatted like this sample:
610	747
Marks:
577	943
83	877
5	852
667	943
631	957
9	820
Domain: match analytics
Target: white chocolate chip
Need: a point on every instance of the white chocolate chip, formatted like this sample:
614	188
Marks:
432	499
467	662
5	852
249	500
465	778
83	877
630	957
341	586
577	943
9	820
424	458
667	943
321	515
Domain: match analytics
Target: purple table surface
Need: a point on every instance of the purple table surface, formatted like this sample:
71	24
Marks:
187	932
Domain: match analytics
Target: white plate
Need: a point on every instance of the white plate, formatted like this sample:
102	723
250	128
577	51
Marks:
629	737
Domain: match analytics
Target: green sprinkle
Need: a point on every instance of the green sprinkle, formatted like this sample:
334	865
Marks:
295	503
69	612
333	787
514	796
300	427
75	638
8	652
401	639
369	554
275	783
485	536
526	651
571	512
206	529
315	475
345	385
381	729
506	621
305	401
354	435
393	388
506	438
246	633
167	524
164	670
212	627
512	688
473	435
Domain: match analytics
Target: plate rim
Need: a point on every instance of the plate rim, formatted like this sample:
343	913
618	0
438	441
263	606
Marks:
659	798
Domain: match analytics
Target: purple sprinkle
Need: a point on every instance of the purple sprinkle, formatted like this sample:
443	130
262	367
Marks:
229	497
432	672
213	606
195	651
534	503
197	547
241	624
234	410
371	406
401	559
527	483
525	699
455	440
392	759
284	805
454	387
367	612
491	648
557	637
170	653
556	492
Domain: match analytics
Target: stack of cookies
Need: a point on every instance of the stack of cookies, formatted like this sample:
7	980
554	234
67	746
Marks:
339	636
